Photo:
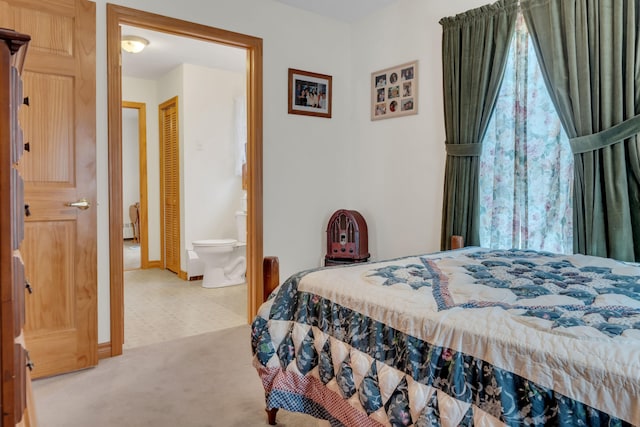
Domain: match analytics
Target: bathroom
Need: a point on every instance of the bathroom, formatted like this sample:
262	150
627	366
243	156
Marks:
213	121
212	137
209	82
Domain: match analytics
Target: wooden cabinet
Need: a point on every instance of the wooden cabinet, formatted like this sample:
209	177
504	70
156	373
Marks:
15	391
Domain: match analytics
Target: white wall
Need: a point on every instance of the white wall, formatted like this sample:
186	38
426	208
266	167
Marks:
212	190
389	170
398	163
130	165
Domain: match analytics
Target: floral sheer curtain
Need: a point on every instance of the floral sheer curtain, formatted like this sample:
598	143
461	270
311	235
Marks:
526	166
474	49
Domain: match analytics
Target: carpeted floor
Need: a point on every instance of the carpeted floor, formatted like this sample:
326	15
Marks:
203	380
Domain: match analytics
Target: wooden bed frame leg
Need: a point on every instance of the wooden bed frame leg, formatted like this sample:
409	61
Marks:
270	275
271	416
270	281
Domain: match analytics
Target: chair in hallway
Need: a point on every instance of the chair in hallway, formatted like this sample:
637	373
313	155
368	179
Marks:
134	215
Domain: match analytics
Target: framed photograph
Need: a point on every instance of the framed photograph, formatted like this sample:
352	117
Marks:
394	91
309	93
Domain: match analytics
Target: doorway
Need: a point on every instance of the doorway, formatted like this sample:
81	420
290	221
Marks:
117	16
135	169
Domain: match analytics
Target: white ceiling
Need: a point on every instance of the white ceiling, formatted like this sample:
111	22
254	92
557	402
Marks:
343	10
166	51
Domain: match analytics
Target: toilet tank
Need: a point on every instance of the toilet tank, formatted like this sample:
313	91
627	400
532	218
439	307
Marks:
241	226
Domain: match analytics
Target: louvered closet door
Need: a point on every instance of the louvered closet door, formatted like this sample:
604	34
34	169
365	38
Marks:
170	180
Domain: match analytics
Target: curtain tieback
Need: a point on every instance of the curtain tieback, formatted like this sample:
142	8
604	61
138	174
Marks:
617	133
463	150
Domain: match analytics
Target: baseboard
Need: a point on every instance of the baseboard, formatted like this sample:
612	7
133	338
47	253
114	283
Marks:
104	350
182	275
154	264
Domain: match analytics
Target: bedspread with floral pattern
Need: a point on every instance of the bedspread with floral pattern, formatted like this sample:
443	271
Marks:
469	337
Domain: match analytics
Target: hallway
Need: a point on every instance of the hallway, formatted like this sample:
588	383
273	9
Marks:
160	307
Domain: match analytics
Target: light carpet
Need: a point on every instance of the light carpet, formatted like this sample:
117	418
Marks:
203	380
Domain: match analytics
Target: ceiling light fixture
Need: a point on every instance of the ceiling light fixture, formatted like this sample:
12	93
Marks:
133	44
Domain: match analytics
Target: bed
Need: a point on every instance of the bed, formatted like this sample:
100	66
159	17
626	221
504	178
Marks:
465	337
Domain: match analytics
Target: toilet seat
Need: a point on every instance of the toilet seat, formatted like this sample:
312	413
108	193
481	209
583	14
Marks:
215	242
223	260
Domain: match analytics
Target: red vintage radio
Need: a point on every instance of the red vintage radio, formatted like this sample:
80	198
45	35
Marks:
347	240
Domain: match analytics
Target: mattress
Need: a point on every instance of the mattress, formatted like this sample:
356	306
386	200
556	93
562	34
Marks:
465	337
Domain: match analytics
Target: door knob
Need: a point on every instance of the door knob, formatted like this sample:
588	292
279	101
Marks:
28	361
80	204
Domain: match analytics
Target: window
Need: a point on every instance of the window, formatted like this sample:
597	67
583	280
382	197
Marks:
526	168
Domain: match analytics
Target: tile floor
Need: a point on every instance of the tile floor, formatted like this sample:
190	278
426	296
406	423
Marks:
160	307
131	255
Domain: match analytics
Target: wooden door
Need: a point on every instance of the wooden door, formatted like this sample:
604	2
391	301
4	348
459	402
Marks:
169	185
59	247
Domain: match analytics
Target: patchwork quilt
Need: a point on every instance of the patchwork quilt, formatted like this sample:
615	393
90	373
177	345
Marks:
471	337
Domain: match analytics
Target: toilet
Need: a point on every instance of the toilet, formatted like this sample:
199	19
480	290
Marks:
224	260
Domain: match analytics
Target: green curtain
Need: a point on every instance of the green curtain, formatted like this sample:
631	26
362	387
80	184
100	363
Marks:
589	52
474	51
